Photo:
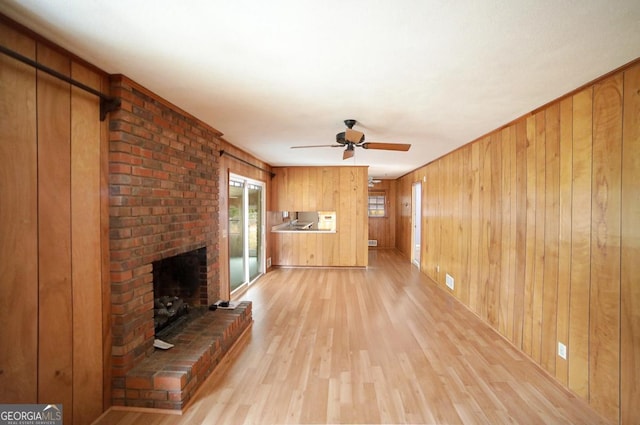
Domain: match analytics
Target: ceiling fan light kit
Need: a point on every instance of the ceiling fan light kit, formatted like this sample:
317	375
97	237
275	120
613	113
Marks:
350	139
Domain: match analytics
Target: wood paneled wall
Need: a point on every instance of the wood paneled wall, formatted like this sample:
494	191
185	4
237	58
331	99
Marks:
538	224
403	214
383	229
53	234
630	251
340	189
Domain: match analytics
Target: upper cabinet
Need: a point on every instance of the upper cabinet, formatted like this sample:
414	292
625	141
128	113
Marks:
316	188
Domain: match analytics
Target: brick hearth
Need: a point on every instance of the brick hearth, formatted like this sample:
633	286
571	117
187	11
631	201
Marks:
168	379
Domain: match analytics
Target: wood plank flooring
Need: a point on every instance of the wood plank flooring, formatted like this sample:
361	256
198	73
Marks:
381	345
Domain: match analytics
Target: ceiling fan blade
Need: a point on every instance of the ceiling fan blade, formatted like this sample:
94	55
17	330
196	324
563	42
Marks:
317	146
353	136
348	153
387	146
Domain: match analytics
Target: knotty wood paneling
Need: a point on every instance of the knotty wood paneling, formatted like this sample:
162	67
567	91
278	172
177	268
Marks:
604	345
630	252
578	354
487	235
54	197
506	303
551	205
280	197
564	247
493	222
529	231
427	254
520	195
360	185
18	223
551	243
55	307
340	189
86	248
456	201
505	309
454	211
540	214
484	208
346	217
446	206
446	220
464	249
474	224
330	189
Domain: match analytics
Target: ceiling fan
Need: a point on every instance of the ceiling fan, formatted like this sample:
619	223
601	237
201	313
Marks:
351	139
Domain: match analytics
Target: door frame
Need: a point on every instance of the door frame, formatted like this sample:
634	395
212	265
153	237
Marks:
416	214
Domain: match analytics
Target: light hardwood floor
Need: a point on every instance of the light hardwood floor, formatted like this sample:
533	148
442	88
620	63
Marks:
381	345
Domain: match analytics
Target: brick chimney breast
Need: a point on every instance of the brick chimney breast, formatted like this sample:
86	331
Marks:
163	183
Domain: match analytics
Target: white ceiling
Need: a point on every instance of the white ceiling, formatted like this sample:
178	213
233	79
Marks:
275	74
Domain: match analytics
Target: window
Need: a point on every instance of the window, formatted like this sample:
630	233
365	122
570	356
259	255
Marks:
377	202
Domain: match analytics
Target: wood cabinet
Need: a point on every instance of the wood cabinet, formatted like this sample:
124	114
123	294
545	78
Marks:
339	189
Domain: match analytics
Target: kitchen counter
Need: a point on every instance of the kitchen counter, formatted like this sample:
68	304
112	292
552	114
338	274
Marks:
300	227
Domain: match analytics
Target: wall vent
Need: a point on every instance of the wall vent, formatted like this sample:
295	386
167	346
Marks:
373	242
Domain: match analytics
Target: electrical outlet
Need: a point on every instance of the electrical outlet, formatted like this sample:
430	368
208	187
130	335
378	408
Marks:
268	262
437	269
562	350
450	282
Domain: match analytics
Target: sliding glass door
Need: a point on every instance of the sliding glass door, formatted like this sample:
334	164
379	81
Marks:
246	231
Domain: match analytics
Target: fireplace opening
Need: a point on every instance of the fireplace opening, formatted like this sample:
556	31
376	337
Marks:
179	285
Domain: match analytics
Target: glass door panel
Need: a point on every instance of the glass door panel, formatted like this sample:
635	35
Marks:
236	234
255	230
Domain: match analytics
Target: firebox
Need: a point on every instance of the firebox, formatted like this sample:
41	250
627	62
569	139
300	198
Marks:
179	285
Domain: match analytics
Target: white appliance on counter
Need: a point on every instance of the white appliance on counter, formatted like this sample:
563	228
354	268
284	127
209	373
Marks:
327	220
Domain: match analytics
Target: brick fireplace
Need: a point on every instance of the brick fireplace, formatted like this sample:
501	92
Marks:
163	182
